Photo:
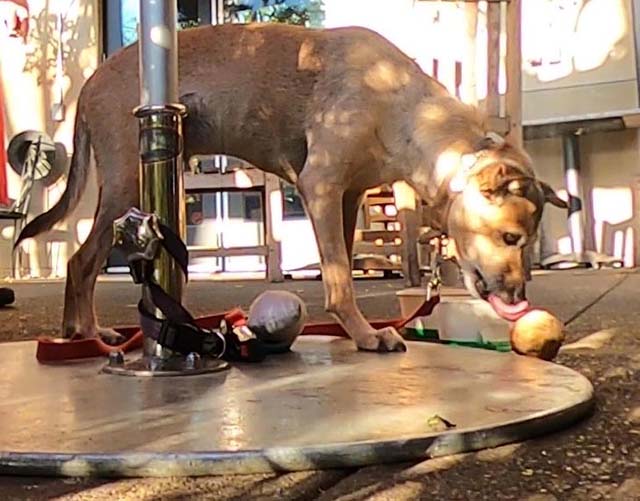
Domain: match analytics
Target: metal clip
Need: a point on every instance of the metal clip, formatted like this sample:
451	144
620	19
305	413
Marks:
433	287
243	333
138	235
435	282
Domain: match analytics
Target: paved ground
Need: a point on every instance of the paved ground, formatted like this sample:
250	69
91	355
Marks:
596	459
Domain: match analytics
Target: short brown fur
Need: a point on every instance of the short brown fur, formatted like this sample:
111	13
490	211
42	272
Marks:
334	112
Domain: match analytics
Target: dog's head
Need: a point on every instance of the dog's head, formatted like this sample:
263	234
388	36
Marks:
493	217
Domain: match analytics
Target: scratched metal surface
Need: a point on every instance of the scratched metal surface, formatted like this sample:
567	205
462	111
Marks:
323	405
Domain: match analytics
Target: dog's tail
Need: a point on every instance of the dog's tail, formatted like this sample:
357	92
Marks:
76	182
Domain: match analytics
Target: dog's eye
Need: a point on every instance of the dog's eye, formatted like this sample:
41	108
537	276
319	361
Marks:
511	238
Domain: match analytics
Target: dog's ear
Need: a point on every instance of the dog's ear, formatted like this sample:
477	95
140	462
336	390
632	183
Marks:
551	197
491	141
498	179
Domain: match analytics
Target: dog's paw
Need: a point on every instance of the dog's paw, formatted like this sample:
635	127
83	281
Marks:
110	336
383	341
69	332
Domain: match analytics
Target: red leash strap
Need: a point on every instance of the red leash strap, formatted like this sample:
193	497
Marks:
50	350
335	329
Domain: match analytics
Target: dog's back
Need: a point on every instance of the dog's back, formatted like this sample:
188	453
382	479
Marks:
252	90
346	104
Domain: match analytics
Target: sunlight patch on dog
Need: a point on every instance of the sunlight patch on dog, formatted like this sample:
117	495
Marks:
345	117
319	158
423	181
321	206
432	112
322	189
339	122
478	207
329	119
249	44
308	58
448	162
384	76
265	112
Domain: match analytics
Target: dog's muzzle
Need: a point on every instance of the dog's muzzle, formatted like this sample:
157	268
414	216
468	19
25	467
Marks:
476	284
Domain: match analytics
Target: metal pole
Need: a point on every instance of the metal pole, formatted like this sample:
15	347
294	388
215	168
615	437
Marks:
570	150
514	71
160	115
575	222
635	20
158	50
492	103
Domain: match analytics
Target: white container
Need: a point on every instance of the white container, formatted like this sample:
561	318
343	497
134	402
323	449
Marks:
458	318
411	299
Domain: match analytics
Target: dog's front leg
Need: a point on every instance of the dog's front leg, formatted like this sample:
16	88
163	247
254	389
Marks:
324	207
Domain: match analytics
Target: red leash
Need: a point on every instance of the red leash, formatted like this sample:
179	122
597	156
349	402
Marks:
335	329
51	350
58	350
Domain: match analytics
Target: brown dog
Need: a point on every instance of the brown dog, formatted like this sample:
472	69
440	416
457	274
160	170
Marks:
334	112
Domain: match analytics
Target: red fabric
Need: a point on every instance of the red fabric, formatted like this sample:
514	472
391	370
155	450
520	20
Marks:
20	3
16	17
4	195
51	350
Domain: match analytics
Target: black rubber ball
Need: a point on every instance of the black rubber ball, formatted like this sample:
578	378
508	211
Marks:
277	318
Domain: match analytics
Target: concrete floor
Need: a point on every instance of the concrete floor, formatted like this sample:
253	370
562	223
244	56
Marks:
597	459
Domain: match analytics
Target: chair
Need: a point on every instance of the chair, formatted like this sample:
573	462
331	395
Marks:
35	157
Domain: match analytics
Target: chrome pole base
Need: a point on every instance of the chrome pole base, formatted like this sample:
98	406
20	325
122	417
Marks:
153	366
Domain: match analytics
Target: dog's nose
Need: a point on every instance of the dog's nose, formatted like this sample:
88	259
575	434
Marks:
513	295
519	294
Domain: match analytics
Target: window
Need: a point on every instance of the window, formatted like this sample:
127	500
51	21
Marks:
130	14
245	205
121	20
292	207
302	12
194	209
121	29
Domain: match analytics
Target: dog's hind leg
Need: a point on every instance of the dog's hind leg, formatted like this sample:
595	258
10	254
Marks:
351	202
84	268
70	315
324	202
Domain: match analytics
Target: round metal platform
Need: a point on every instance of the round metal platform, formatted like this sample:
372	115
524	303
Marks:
325	405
